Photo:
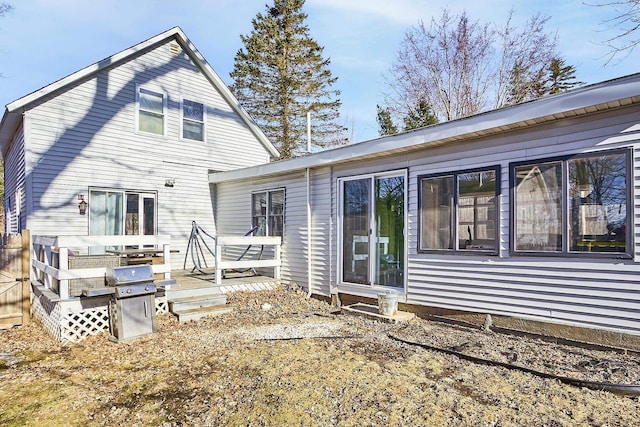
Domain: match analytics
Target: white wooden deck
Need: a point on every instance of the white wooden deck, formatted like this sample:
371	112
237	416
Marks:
195	281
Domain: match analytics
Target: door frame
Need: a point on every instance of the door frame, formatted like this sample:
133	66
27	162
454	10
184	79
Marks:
371	286
142	195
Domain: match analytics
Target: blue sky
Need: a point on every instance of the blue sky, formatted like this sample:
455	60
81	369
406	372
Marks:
44	40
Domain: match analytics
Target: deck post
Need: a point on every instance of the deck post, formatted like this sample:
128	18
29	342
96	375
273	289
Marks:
48	260
166	259
276	269
218	270
63	266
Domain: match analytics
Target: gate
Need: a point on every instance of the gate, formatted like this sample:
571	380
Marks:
15	288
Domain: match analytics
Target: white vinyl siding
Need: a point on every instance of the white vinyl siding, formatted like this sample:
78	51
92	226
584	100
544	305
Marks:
234	217
599	293
14	194
86	137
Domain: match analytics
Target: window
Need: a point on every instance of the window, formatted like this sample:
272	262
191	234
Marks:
458	211
151	111
116	212
268	212
192	120
572	205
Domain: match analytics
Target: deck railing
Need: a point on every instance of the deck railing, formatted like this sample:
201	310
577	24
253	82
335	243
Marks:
50	258
222	242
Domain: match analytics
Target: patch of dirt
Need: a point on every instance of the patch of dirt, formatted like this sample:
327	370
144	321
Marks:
282	359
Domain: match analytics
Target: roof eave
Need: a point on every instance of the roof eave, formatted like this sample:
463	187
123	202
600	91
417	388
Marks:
18	105
610	94
8	126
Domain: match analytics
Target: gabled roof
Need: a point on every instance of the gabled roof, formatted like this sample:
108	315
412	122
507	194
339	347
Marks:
585	100
13	112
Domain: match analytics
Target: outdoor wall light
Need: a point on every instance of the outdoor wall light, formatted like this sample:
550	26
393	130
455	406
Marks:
170	182
82	205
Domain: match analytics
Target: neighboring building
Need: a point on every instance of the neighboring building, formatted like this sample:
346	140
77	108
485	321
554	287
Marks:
530	211
134	136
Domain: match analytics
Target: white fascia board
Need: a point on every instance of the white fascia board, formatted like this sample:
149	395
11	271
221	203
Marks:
614	91
91	69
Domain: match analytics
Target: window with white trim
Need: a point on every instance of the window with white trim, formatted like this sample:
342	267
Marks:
573	205
193	126
459	211
268	212
152	106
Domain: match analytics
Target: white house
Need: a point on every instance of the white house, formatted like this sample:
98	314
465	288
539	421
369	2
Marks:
134	136
529	211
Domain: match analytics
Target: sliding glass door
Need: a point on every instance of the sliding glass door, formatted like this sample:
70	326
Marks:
119	212
372	237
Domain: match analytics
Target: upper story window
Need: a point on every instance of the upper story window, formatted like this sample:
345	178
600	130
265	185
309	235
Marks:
459	211
573	205
193	120
268	212
152	108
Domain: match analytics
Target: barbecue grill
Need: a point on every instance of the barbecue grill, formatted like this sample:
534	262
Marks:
132	308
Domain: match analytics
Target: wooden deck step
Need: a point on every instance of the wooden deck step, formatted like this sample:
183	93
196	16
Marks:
198	313
176	292
197	301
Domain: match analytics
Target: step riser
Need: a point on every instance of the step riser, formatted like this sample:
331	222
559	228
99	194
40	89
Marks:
173	294
185	317
178	305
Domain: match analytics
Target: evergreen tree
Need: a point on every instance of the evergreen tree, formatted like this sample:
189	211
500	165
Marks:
279	75
420	116
554	78
383	117
561	77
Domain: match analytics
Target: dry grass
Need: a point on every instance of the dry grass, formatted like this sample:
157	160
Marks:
221	371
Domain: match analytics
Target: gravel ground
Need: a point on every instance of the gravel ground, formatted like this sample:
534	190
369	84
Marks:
282	359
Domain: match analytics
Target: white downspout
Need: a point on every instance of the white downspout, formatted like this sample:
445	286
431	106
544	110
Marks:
309	247
308	176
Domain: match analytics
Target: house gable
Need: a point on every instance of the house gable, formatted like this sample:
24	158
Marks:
81	136
11	118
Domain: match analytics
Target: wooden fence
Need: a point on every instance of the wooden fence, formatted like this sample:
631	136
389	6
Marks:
15	295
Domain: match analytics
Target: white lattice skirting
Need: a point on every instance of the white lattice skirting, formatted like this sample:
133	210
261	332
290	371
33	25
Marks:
48	313
257	286
71	324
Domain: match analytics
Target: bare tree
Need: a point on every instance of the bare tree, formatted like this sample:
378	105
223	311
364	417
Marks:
525	56
460	67
4	8
627	22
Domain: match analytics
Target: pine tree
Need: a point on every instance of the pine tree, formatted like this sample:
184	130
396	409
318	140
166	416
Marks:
280	75
420	116
383	117
561	77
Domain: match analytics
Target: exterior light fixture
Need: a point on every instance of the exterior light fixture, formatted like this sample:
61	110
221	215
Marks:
170	182
82	206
